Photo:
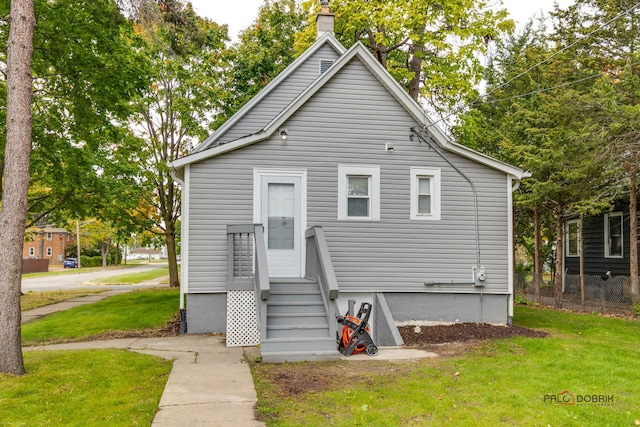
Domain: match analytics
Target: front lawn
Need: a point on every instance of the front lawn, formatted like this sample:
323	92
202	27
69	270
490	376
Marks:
84	388
90	387
137	310
586	373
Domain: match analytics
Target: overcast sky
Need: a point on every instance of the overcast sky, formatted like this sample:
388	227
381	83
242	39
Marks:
239	14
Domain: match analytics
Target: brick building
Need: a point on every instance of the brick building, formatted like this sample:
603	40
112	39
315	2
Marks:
49	243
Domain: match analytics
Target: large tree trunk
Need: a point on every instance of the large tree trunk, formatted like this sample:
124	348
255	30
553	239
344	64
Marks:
174	279
104	251
633	236
537	256
559	262
13	211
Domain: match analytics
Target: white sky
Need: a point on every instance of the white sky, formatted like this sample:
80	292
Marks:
239	14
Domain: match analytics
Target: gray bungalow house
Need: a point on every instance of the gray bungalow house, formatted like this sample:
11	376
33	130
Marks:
331	188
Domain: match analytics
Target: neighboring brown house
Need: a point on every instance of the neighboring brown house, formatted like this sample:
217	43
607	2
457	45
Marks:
48	243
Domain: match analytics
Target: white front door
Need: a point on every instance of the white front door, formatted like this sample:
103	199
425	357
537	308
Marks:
281	214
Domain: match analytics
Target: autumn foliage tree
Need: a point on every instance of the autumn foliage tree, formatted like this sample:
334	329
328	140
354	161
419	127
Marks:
187	54
433	49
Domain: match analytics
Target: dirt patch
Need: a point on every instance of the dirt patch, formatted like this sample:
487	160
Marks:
171	329
462	332
290	380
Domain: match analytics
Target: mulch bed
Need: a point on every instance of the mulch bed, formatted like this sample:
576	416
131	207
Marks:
461	332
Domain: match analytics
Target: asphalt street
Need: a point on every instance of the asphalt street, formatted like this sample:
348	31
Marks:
78	279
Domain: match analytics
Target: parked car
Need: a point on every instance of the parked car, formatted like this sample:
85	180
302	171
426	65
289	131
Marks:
70	263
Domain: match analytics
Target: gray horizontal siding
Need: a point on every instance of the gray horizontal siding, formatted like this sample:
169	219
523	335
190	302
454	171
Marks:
348	122
269	107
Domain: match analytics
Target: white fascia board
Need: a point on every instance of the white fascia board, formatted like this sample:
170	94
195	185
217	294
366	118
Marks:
216	151
297	103
326	38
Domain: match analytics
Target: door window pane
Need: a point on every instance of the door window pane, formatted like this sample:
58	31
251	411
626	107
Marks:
280	222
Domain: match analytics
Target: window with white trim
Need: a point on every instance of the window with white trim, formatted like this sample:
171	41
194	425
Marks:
49	236
49	252
358	193
613	235
32	252
425	194
572	238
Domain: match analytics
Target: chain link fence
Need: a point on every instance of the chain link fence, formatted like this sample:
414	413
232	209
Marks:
603	294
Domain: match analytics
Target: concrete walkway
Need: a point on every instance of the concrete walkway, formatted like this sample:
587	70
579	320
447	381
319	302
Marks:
37	313
210	384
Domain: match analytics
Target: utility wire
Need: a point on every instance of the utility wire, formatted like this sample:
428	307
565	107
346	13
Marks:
551	88
615	18
459	109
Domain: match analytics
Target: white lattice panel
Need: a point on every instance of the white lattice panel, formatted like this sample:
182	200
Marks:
242	319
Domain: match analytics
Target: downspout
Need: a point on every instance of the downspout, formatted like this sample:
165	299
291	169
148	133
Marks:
179	177
427	140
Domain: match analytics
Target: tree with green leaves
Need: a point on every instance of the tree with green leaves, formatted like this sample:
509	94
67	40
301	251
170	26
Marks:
432	48
15	181
84	71
606	38
531	118
187	54
86	68
265	48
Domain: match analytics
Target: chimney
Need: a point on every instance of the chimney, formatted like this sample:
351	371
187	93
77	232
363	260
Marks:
325	19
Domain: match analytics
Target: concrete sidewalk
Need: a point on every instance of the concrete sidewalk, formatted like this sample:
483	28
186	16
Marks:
37	313
209	385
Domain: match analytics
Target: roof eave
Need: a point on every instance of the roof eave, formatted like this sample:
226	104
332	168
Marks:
325	38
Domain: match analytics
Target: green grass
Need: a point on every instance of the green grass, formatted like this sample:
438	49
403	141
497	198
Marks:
84	388
32	300
499	383
134	278
130	311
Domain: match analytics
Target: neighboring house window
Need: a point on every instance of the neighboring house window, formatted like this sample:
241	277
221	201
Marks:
425	194
613	235
49	252
49	236
572	238
358	192
32	251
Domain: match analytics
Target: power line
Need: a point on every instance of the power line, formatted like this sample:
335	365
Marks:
459	109
615	18
551	88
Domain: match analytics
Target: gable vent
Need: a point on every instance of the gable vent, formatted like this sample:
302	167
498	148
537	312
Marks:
325	64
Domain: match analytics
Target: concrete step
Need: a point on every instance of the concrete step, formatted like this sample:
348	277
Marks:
310	344
300	356
299	320
295	295
293	285
302	308
297	331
